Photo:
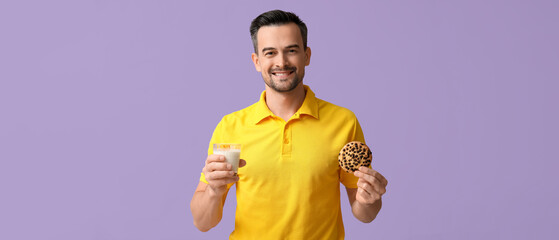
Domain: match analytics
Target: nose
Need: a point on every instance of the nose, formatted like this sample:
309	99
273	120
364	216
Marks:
282	61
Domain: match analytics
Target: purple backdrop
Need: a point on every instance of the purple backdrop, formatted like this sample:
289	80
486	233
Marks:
107	107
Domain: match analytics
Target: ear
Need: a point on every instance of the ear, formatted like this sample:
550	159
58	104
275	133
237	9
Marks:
256	62
307	56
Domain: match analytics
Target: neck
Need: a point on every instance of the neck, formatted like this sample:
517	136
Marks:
285	104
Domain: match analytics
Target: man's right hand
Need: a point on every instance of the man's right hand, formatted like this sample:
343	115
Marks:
208	199
219	173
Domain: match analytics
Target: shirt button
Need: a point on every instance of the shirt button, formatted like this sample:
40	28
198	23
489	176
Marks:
286	141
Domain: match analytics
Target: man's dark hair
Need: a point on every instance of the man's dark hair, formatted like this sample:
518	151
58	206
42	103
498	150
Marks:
276	18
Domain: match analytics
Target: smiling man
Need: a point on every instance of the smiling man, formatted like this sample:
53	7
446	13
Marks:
288	187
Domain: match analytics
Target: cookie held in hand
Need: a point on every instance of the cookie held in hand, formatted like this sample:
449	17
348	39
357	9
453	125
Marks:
353	155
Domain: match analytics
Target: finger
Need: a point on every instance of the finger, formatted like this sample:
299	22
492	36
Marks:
231	179
379	188
216	175
380	177
242	163
375	174
367	187
215	158
365	176
217	166
367	193
223	182
367	170
365	197
382	190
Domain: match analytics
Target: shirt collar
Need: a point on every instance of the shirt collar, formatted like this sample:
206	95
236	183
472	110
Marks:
309	107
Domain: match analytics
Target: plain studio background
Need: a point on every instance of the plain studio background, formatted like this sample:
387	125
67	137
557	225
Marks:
107	108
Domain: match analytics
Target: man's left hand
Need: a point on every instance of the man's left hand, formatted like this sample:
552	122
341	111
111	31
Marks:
370	186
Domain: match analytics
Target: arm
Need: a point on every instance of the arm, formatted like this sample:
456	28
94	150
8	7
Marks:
366	199
206	207
208	199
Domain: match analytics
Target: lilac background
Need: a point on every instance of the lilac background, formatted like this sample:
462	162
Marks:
107	107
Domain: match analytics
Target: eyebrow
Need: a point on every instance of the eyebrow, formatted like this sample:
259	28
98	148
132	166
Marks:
267	49
290	46
293	46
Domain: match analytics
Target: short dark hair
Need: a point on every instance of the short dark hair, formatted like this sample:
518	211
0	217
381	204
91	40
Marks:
276	18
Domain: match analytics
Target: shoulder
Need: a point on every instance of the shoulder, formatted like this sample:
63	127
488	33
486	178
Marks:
240	116
328	109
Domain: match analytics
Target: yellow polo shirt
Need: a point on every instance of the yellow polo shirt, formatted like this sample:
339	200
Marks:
289	188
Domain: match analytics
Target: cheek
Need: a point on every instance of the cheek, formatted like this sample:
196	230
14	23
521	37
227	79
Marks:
263	67
266	69
299	62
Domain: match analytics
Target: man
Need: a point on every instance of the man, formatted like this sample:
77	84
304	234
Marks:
288	187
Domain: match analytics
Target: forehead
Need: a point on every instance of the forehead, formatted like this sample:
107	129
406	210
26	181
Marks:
279	36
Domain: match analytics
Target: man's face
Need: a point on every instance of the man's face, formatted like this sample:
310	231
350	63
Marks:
281	56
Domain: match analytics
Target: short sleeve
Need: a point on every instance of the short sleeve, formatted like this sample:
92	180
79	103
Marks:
203	178
216	137
348	179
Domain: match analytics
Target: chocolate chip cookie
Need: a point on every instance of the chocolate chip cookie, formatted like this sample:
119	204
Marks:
353	155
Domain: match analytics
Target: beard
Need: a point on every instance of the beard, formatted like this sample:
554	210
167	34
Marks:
283	85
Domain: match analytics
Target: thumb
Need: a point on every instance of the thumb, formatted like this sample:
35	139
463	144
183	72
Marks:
242	163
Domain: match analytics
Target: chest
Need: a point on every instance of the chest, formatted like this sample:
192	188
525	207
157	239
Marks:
294	153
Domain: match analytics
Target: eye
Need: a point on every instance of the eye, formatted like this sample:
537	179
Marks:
268	53
292	50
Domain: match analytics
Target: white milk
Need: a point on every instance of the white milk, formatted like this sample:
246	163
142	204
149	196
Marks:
232	156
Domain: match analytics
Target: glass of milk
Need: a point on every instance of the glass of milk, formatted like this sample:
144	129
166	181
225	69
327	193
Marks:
231	151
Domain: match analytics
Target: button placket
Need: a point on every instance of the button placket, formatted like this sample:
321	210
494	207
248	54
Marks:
286	141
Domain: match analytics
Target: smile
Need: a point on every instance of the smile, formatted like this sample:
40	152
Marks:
282	74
